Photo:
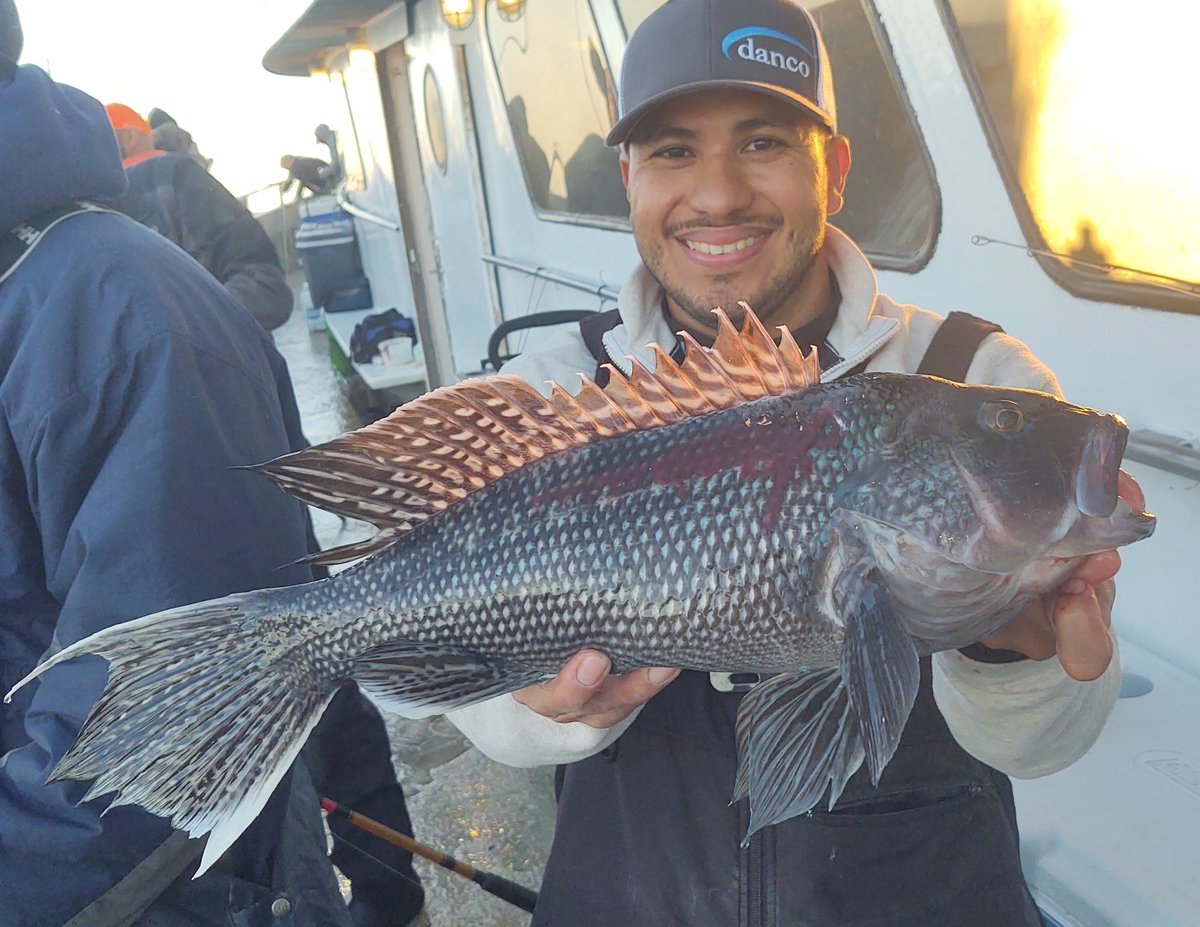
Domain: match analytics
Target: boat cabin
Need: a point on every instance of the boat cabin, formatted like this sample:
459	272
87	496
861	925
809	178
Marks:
1025	160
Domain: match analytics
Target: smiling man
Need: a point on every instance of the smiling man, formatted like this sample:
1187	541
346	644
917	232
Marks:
733	165
729	192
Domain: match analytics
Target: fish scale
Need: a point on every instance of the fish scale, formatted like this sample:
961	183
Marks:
726	513
512	539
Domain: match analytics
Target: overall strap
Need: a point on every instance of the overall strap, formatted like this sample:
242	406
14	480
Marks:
128	900
949	356
953	347
17	242
593	329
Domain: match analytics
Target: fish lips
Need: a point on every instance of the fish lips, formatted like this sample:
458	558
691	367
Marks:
1099	468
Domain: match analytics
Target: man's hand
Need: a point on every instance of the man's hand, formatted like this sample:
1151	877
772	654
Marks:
585	691
1072	622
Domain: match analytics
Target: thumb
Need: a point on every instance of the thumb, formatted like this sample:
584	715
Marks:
1082	640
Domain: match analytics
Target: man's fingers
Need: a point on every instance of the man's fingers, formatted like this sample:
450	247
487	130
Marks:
575	685
585	691
1129	490
1083	643
620	695
1093	569
1031	633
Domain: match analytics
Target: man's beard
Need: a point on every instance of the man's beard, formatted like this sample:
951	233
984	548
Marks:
769	301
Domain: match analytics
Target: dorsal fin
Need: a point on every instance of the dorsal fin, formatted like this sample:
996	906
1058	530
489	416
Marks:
435	450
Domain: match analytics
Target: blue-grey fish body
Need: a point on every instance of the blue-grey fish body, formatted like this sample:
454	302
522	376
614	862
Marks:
828	534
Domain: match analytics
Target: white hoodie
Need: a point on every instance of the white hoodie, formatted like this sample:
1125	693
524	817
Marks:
1026	719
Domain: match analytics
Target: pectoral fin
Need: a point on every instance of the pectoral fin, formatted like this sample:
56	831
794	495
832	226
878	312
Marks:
880	664
799	733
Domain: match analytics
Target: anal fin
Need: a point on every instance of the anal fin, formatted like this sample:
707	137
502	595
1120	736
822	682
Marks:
796	736
418	679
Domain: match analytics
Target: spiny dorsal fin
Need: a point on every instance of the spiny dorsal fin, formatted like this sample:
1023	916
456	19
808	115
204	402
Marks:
435	450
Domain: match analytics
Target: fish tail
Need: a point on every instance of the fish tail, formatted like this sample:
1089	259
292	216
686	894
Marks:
197	722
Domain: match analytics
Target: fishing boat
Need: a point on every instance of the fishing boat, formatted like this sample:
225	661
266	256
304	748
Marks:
1025	160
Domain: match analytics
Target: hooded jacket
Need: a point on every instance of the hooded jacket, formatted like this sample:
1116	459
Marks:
131	385
645	834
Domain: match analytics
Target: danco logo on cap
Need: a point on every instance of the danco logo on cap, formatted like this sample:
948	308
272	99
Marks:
747	43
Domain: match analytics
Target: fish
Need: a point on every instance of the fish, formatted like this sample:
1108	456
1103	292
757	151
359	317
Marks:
729	512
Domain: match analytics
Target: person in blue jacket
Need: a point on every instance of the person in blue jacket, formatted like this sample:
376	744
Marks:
131	385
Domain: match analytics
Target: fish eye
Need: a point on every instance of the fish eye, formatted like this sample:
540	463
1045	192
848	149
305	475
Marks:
1003	416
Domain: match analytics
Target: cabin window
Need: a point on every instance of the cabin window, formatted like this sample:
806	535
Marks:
634	11
435	119
1081	101
892	207
561	102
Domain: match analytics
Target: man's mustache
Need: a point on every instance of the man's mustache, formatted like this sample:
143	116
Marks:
711	222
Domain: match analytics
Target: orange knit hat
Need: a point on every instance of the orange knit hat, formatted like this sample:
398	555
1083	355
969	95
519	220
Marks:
122	117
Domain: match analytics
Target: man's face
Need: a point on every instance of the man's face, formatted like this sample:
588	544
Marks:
729	191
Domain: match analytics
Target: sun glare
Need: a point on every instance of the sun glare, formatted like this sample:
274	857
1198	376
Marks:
1110	141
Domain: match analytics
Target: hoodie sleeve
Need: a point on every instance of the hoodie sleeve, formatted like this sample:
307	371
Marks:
1027	718
508	732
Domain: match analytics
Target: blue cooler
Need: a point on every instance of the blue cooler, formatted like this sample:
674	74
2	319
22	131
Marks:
332	265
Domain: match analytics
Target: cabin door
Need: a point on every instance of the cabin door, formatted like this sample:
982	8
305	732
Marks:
457	218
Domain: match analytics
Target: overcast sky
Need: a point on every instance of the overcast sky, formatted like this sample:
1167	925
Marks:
201	62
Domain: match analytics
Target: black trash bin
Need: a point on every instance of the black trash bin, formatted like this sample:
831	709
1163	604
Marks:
332	265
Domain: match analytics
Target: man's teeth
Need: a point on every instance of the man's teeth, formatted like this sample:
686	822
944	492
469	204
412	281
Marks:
705	248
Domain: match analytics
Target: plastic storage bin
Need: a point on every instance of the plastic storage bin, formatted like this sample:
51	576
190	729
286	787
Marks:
332	265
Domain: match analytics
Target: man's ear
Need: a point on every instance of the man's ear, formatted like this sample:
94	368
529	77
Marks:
837	167
624	159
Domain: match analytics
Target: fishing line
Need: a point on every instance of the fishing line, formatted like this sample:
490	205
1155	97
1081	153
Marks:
371	856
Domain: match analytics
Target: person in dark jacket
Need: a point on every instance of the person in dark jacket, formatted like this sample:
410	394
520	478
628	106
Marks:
312	174
131	384
172	194
169	135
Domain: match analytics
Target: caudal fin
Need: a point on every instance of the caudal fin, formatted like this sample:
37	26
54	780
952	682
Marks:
195	724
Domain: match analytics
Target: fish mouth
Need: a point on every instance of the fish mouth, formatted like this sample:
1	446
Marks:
1098	472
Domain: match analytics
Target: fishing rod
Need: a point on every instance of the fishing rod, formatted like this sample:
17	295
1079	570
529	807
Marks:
502	888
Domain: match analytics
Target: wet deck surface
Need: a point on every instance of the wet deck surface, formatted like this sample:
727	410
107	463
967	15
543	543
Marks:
494	817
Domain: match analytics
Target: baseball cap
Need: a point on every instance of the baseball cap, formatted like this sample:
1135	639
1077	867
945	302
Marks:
769	46
122	117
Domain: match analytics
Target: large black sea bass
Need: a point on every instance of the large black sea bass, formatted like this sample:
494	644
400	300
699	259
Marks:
731	513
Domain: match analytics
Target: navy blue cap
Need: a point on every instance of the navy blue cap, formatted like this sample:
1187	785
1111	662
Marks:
769	46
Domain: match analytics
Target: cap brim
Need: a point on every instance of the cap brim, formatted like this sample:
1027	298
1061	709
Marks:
624	126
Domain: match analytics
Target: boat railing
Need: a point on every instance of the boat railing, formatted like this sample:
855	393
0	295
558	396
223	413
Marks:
344	201
596	288
1163	451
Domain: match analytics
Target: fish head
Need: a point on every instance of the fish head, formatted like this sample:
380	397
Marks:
998	478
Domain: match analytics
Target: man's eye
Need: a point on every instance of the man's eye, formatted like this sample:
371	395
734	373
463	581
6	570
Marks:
672	153
763	144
